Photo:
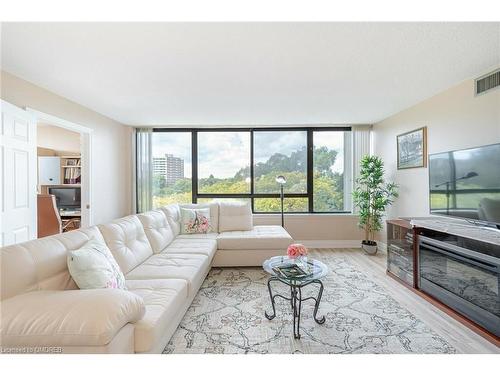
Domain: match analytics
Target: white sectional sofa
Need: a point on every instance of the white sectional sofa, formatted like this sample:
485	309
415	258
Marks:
43	309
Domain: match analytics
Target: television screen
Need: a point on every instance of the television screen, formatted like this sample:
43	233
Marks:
66	197
466	183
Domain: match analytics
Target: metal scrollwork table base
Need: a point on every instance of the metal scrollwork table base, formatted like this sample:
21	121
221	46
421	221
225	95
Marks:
319	270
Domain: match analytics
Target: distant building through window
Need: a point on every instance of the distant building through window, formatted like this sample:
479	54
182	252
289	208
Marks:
169	167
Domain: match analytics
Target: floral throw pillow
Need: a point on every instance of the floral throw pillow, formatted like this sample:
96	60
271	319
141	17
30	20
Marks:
195	220
93	267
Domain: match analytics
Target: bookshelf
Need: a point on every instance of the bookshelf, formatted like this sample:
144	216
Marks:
71	169
59	171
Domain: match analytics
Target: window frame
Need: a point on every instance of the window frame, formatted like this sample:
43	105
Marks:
252	195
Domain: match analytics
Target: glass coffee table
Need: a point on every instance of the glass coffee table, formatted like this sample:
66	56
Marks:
313	272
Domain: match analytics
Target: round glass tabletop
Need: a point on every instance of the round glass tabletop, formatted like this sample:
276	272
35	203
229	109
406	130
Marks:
295	270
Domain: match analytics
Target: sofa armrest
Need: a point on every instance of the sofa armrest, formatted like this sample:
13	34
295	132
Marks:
89	317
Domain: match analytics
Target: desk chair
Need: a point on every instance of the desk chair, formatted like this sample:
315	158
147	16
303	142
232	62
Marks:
49	221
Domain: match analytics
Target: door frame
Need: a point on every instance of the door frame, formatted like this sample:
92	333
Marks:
87	218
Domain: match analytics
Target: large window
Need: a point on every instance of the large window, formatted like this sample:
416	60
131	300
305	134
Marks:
223	162
274	205
172	168
200	165
330	192
280	153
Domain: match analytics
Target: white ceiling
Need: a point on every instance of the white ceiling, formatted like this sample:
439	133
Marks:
248	73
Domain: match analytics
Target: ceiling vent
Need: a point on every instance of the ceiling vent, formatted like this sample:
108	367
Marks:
487	82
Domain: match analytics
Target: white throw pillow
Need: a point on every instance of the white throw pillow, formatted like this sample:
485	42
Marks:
235	216
93	267
195	221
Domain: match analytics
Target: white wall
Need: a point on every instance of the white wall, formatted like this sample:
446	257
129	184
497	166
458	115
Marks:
330	230
111	148
455	119
58	139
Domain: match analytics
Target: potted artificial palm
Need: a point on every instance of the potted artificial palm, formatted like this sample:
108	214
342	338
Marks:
372	195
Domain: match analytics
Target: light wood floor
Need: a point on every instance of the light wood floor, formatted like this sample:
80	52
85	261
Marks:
458	335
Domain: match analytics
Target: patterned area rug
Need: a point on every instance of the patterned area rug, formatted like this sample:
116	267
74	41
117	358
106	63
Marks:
227	316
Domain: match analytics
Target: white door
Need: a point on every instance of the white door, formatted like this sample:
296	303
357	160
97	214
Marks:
18	187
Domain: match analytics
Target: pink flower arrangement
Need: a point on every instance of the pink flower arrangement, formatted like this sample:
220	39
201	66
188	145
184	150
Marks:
296	250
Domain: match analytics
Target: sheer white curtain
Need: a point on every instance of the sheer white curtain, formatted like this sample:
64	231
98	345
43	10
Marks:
360	146
144	170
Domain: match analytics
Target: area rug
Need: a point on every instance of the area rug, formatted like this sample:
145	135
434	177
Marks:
227	316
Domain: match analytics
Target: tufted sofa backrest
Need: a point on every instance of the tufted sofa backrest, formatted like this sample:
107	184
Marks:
172	212
158	231
127	241
41	264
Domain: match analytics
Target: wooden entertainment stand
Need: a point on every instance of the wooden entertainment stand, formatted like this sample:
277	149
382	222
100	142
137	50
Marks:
453	265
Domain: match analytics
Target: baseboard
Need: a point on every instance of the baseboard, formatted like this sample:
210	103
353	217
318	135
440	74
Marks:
339	244
336	244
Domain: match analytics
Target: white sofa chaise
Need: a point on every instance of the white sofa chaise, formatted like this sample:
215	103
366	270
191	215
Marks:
252	247
235	248
42	309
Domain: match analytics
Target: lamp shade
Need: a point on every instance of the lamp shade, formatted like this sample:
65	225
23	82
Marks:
281	180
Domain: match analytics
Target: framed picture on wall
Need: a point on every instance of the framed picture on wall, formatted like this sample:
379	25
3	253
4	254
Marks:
412	149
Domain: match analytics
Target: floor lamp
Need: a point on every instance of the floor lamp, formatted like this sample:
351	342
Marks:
281	180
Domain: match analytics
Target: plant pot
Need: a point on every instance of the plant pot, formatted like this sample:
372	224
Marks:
370	247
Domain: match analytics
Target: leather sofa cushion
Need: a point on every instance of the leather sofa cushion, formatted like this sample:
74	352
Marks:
41	264
190	267
261	237
89	317
235	217
206	247
127	241
173	214
163	300
157	229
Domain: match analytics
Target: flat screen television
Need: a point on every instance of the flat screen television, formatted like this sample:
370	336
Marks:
466	184
66	197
